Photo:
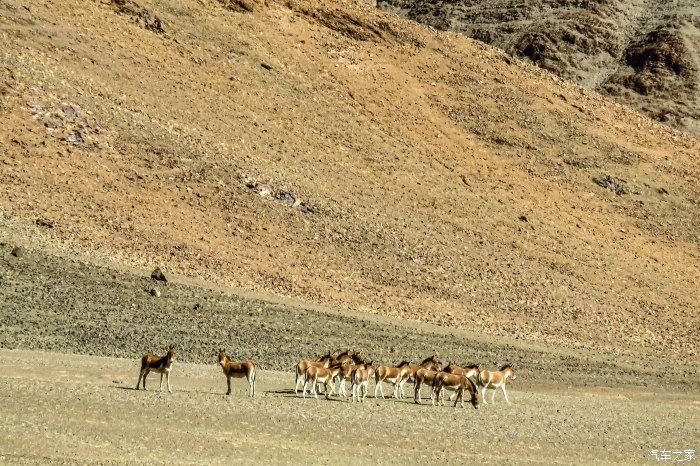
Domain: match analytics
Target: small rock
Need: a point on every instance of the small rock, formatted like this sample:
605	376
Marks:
618	186
17	251
69	111
44	223
523	218
158	274
307	209
286	197
155	292
75	139
261	188
266	66
158	25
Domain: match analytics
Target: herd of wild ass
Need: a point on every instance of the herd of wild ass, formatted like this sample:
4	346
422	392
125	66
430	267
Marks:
329	370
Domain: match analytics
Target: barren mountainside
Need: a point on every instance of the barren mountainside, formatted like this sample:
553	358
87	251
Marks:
328	151
643	53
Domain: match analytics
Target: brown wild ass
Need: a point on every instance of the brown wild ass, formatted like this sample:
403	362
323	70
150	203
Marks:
238	369
324	375
471	371
457	382
348	360
390	374
303	365
360	382
346	370
423	376
159	364
494	380
431	363
349	357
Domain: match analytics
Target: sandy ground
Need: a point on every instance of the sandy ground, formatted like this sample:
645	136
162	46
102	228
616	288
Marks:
68	408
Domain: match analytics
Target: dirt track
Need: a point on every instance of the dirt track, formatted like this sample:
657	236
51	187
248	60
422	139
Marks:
83	409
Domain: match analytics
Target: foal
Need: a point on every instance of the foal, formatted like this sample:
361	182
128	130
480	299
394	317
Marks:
494	380
238	369
159	364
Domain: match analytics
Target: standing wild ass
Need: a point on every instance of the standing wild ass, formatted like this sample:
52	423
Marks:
390	374
494	380
159	364
238	369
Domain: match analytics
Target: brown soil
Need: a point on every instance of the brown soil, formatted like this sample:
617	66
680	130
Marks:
326	151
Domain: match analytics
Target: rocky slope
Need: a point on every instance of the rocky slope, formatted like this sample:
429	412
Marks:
325	150
643	53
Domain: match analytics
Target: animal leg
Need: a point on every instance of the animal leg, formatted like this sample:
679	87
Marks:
167	379
483	394
503	388
228	384
141	374
314	387
161	381
493	395
145	374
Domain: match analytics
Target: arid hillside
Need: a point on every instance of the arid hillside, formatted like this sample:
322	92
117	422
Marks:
645	54
328	151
